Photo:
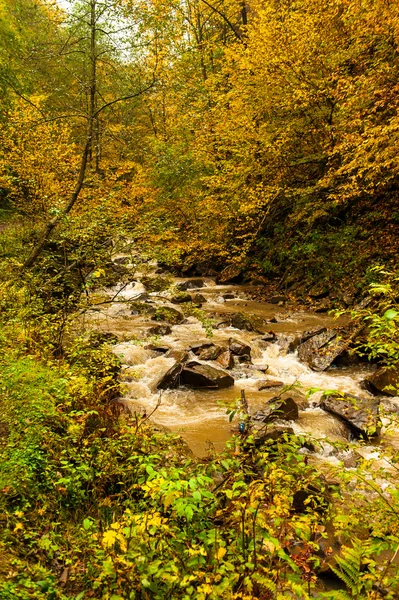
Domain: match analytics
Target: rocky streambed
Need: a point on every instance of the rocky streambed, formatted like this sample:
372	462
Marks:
189	347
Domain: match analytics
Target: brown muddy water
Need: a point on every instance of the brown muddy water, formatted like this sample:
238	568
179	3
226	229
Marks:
199	416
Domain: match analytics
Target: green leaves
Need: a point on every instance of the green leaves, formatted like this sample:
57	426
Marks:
391	314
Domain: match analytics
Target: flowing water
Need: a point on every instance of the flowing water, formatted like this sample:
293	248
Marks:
199	416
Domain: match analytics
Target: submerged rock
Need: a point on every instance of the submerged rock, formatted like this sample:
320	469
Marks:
199	376
383	381
278	408
361	414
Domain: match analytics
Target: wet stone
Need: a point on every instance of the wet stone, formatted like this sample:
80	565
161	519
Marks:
383	381
361	414
160	329
199	376
276	299
211	353
190	284
267	384
270	336
226	360
278	408
198	299
321	350
169	314
157	348
180	298
231	274
198	348
239	348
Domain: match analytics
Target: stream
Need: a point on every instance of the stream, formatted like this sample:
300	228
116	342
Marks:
199	415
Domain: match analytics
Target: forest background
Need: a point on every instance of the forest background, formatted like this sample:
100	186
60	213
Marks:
263	135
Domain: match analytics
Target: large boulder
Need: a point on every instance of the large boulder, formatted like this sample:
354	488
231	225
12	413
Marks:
190	284
278	408
361	414
303	337
231	274
322	349
171	378
383	381
199	376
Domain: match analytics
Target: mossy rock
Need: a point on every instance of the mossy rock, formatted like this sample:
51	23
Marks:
141	308
156	284
168	314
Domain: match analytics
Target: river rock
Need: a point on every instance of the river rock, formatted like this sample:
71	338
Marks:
198	348
239	348
231	274
180	298
199	376
198	299
241	321
277	299
390	405
211	353
321	350
270	433
361	414
319	292
157	348
160	329
323	306
267	384
171	378
382	380
168	314
228	296
278	408
270	336
190	284
141	308
226	360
